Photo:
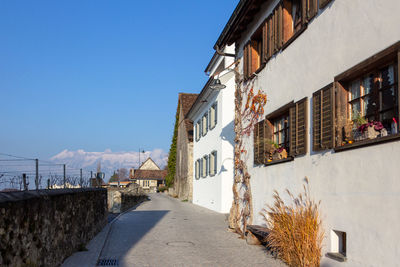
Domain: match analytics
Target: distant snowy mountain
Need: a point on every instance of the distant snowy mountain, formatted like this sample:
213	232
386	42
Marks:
110	161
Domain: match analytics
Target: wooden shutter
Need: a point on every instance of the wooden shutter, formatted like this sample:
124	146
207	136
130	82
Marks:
303	12
341	112
259	142
279	26
298	128
312	9
275	19
323	119
268	137
265	41
323	3
255	144
270	34
254	57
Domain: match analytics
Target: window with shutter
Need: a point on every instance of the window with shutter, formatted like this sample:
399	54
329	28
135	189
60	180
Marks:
294	17
213	116
367	101
298	128
323	119
198	130
204	124
213	163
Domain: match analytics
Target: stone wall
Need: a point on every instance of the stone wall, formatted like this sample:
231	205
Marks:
42	228
183	185
122	199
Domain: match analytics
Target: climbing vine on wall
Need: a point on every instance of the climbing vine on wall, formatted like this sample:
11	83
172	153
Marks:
169	179
246	117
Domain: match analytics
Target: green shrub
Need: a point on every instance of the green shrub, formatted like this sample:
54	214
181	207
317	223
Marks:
162	188
169	179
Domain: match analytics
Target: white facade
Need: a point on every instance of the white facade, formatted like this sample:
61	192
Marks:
215	191
359	189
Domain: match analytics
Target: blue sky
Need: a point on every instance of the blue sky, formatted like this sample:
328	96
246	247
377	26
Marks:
100	74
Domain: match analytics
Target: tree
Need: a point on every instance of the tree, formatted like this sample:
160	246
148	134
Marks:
113	178
169	179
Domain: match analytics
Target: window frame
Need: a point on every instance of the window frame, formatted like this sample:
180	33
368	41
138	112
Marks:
198	130
204	168
214	154
204	130
197	169
213	107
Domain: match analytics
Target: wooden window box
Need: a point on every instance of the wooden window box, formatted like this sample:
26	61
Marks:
368	142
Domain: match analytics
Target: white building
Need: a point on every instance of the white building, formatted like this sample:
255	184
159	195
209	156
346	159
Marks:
212	115
344	54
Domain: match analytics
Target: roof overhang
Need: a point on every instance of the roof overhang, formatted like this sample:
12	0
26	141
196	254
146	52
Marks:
237	23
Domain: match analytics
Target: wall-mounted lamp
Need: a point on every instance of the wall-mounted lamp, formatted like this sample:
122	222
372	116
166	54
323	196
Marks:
217	85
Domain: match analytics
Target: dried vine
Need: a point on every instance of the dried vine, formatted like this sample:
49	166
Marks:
241	213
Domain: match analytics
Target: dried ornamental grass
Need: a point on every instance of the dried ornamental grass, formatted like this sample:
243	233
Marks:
296	233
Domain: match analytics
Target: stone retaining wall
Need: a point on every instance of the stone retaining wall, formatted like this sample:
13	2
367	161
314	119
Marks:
42	228
122	199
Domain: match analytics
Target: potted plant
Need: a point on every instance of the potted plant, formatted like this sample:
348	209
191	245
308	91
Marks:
364	129
276	152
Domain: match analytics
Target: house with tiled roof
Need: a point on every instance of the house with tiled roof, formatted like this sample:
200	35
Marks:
149	176
183	181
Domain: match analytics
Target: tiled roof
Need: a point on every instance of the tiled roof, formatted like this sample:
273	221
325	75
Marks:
186	101
150	174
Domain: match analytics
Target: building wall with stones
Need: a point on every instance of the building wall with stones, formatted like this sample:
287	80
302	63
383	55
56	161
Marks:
183	181
42	228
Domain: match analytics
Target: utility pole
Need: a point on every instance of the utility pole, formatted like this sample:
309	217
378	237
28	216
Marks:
81	181
91	174
37	174
65	176
24	181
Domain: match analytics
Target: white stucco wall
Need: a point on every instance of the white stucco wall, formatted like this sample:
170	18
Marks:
215	192
359	189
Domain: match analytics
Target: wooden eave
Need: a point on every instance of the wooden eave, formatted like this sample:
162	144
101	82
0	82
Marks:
238	22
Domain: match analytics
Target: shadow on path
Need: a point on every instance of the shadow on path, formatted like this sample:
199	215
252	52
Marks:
128	230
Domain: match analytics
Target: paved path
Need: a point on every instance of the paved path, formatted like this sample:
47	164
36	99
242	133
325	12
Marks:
168	232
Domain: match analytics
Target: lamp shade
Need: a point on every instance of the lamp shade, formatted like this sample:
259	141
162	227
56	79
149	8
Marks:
217	85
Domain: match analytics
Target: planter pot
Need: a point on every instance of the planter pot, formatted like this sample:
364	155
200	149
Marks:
279	155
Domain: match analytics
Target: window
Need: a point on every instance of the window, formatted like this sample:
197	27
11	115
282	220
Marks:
213	163
374	97
204	124
281	131
253	53
338	245
197	169
204	166
198	130
282	134
361	106
288	19
292	18
213	116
